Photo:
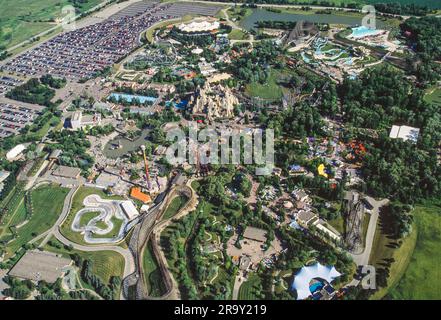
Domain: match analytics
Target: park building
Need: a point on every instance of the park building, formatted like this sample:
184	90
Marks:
129	209
79	121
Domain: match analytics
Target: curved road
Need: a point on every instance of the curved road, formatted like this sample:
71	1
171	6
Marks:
129	262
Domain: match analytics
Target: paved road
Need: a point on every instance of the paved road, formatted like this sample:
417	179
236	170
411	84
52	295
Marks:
129	262
363	258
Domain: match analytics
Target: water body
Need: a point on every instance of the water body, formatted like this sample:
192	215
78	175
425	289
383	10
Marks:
262	15
126	145
363	31
129	97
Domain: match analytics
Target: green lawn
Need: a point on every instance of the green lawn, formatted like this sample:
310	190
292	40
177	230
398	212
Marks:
237	34
87	216
175	205
105	264
251	289
23	19
12	210
433	95
48	204
117	223
338	224
422	279
152	272
385	251
269	90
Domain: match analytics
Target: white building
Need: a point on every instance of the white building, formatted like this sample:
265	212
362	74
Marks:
15	152
78	121
129	209
405	132
199	26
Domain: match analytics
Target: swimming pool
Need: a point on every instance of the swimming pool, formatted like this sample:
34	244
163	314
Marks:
130	97
363	31
315	286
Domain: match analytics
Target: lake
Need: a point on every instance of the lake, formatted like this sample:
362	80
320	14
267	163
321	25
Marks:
262	15
126	145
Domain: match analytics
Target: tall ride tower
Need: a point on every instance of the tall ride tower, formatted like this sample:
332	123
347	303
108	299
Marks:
146	164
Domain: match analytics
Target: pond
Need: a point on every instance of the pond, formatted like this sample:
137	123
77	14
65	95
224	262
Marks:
262	15
121	146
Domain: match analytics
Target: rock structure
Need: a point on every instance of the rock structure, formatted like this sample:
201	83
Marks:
215	101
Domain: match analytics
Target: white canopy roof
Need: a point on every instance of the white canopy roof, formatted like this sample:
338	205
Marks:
306	274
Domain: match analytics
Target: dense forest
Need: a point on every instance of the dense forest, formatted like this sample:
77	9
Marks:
424	36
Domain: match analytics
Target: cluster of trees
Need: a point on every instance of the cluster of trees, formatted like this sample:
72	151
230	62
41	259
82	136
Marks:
423	34
32	91
401	219
242	184
18	289
204	266
55	83
402	9
254	65
381	97
108	292
400	170
51	291
100	130
74	146
200	40
176	255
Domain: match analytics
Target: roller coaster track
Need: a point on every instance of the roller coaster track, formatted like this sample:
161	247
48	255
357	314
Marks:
147	230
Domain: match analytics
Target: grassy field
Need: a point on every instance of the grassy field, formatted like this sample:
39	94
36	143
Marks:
105	264
13	211
77	204
433	95
117	223
47	203
269	90
175	205
23	19
386	252
237	34
152	273
250	290
422	277
338	224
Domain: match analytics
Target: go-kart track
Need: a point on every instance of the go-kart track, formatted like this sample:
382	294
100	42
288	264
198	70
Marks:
107	210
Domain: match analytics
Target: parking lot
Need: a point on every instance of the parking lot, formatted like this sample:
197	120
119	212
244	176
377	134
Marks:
7	83
14	116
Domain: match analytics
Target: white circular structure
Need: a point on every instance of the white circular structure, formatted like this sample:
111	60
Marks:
306	274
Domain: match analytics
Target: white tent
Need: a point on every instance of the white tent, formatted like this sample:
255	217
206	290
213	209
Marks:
306	274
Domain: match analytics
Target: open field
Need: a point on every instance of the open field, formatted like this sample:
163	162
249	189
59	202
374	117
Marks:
433	95
237	34
23	19
175	205
421	279
270	90
152	273
47	202
105	264
385	251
